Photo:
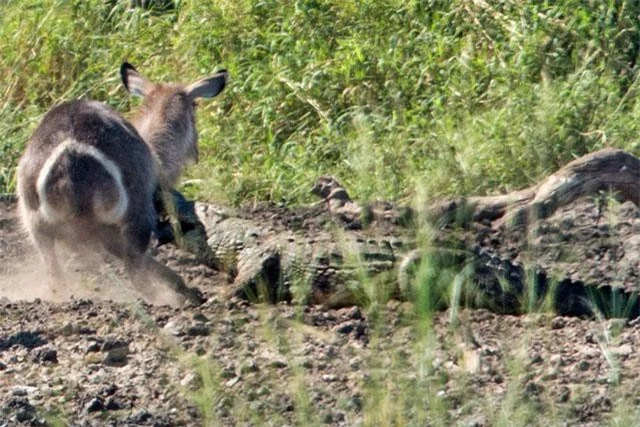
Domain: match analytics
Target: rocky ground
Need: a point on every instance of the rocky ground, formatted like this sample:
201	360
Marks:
96	354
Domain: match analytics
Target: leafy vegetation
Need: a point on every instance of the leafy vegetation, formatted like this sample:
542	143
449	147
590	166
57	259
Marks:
449	97
395	98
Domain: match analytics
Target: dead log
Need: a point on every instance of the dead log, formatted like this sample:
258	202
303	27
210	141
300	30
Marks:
605	170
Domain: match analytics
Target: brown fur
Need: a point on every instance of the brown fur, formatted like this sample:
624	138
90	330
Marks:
88	175
166	116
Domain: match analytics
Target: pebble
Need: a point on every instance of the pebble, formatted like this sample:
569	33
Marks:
109	390
345	328
558	323
583	366
112	404
94	405
198	330
232	382
116	356
23	390
624	350
192	381
140	416
556	360
92	346
173	328
45	354
329	378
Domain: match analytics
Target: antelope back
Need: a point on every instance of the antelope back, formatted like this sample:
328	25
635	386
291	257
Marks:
85	162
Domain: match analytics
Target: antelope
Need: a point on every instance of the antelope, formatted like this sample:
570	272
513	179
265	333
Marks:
88	175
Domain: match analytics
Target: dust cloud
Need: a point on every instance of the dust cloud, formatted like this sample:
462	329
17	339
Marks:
94	276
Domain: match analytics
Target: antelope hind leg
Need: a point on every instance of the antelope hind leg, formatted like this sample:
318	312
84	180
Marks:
147	269
46	247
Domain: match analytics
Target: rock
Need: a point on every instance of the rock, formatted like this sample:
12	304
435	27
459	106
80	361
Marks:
345	328
558	323
109	390
45	354
583	366
67	329
199	317
94	358
624	350
590	352
95	405
198	330
192	381
15	403
116	352
329	378
26	416
471	361
113	343
25	338
112	404
24	391
556	360
139	416
92	347
173	328
116	357
354	313
232	382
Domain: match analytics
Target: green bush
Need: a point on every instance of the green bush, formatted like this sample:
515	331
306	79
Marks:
452	97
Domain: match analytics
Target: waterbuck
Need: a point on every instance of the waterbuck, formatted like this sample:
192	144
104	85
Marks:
88	176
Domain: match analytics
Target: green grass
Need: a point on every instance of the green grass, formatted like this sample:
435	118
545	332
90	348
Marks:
451	97
397	99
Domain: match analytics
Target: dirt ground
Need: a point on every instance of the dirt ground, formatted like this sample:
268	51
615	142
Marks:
95	353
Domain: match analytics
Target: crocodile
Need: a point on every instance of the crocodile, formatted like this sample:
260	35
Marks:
323	254
265	260
312	255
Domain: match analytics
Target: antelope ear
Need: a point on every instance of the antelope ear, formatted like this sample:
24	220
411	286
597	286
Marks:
209	86
132	80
